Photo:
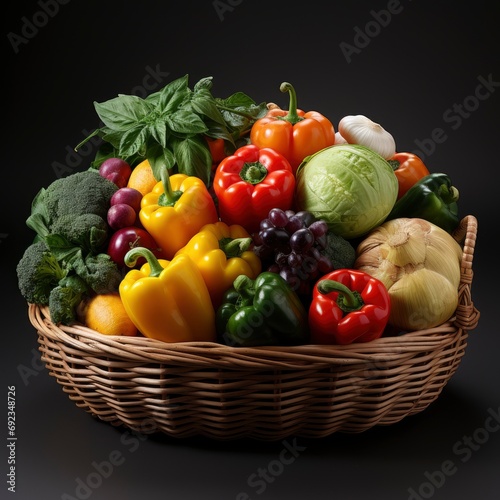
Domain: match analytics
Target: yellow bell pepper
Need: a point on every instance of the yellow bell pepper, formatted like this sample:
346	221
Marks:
222	252
175	210
167	300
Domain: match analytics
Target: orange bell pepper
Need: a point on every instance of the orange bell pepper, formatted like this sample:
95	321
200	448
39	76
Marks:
294	134
409	168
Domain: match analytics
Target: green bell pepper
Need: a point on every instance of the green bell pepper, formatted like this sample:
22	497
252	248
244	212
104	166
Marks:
264	311
432	198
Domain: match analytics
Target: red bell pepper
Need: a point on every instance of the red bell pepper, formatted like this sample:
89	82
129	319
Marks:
217	150
348	306
249	183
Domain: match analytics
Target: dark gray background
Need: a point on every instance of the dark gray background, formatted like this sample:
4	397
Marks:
427	58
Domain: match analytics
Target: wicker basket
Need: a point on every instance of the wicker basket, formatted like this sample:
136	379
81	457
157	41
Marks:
266	393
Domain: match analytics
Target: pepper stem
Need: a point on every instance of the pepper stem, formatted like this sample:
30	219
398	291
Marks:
449	194
169	197
292	115
244	286
133	255
234	247
253	172
348	300
394	164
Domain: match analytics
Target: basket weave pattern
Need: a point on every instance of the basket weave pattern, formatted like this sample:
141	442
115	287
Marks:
267	393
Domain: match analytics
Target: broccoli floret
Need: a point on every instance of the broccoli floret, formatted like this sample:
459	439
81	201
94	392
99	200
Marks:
65	298
100	272
340	251
38	272
80	193
87	231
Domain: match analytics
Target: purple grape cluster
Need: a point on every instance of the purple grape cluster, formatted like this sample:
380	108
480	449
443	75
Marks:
290	243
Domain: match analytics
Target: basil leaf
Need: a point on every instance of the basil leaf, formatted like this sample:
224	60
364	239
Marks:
217	131
203	84
172	95
160	159
243	118
158	131
237	100
123	112
153	98
204	104
112	136
185	122
193	157
133	140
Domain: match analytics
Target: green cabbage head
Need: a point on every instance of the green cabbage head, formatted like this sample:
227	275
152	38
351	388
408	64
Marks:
349	186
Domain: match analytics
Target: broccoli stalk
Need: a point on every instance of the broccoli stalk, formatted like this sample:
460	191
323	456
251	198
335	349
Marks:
38	272
99	271
65	298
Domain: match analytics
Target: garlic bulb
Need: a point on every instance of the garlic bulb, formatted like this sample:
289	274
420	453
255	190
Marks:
358	129
339	139
419	263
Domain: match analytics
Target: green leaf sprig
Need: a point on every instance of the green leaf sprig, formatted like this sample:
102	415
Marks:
168	127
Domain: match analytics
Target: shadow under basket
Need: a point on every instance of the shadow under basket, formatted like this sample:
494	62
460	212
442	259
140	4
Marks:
265	393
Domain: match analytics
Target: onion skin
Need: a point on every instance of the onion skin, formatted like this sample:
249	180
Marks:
419	263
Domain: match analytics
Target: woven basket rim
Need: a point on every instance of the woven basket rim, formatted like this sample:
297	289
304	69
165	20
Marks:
142	349
266	393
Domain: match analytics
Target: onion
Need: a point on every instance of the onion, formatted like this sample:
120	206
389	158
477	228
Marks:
419	263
